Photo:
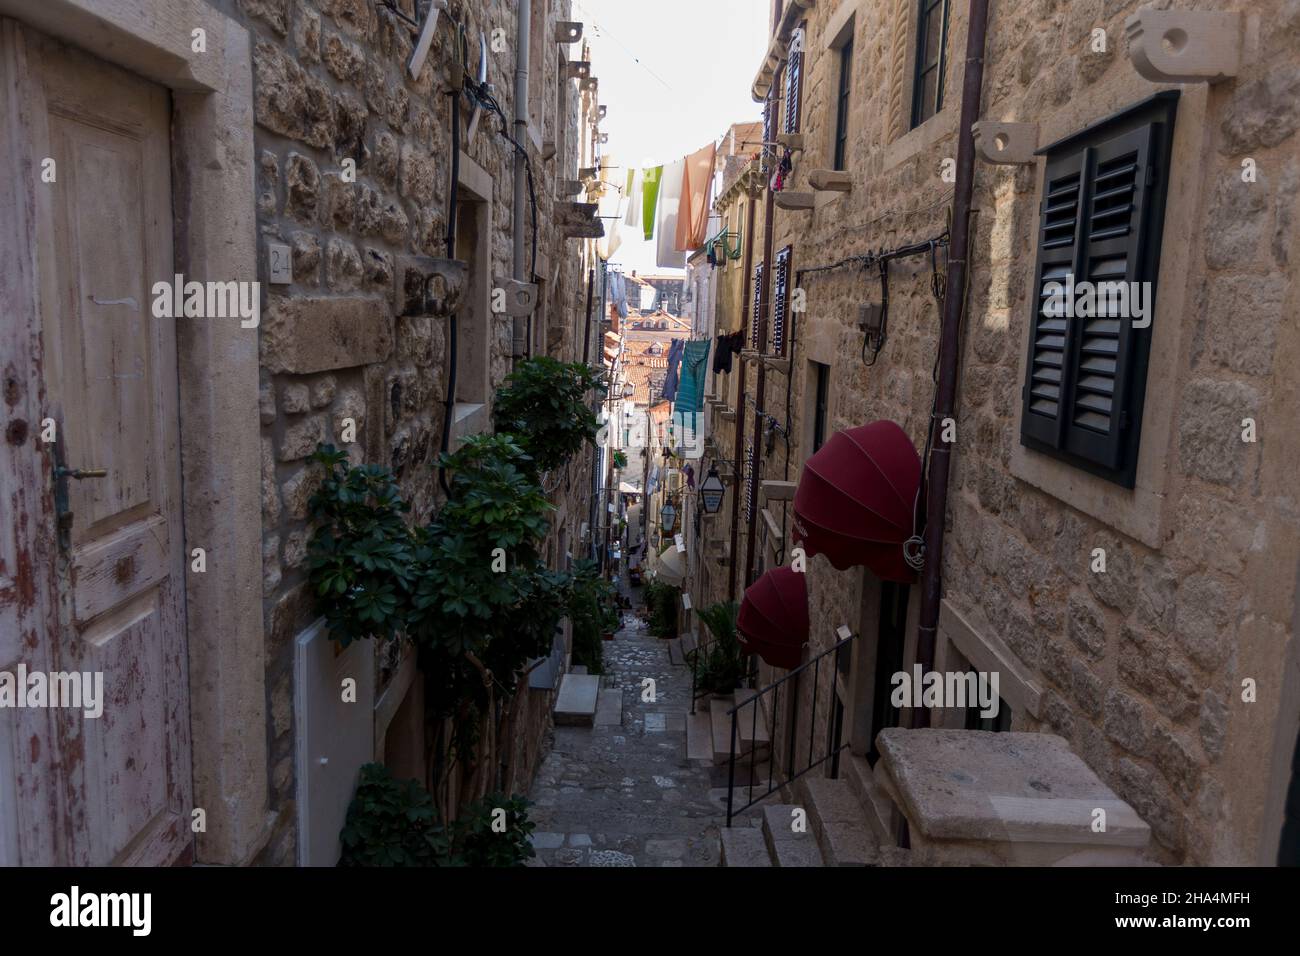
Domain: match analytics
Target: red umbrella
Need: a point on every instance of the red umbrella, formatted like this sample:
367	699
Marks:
773	620
856	498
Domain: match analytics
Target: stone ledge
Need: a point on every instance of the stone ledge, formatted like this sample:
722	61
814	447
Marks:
302	336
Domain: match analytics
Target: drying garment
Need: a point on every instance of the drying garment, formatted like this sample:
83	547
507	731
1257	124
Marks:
695	366
667	255
693	206
633	195
689	472
688	433
618	293
651	180
728	345
669	391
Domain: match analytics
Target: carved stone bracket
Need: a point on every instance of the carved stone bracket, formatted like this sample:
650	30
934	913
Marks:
429	286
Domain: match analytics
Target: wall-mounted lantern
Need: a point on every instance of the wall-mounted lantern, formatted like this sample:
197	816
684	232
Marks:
712	491
667	517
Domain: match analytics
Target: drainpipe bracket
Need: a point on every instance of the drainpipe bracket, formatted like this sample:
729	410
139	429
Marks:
1185	46
1011	144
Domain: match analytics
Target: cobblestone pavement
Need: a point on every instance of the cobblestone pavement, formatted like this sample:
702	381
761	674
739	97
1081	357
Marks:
626	795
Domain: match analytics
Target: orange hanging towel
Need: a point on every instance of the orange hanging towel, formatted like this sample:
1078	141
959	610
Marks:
693	211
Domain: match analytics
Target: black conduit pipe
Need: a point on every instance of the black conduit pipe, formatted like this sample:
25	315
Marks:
950	346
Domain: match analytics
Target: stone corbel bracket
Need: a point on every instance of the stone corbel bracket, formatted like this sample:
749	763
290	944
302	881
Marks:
520	297
577	70
832	180
791	141
568	188
786	199
589	84
429	286
568	31
1011	144
1185	46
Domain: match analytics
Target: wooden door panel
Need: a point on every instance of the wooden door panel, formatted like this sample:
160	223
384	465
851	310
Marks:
110	374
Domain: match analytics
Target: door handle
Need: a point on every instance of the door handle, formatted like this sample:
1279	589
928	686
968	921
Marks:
80	473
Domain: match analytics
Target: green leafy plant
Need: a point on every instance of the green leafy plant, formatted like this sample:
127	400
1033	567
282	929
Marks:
393	823
593	611
544	405
359	559
620	459
721	664
661	607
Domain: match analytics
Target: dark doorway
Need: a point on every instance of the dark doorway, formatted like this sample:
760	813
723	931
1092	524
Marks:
889	659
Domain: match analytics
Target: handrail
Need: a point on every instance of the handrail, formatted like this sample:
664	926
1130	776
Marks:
750	672
834	746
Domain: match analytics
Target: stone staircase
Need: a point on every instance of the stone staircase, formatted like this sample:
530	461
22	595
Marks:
708	732
827	828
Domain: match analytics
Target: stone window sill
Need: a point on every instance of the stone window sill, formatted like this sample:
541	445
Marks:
467	420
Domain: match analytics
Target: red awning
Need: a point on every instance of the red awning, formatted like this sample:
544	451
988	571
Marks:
773	620
856	498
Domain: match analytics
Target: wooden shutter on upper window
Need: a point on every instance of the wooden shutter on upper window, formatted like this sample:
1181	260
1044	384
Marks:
769	129
793	91
1102	215
757	310
781	298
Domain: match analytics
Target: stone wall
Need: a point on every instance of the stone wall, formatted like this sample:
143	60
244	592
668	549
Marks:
1141	667
331	86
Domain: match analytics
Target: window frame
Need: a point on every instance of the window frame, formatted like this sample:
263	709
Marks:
1148	128
919	66
821	405
844	89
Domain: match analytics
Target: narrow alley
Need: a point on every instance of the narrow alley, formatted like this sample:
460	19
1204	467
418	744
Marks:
622	792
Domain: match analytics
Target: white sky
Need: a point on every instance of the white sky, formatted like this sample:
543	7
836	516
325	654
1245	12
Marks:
697	61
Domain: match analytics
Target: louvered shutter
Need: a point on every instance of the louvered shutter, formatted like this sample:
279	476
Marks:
750	482
1058	243
1102	214
769	130
1102	346
781	299
793	92
757	314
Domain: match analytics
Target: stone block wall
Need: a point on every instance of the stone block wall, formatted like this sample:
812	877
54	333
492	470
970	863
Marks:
1141	668
331	95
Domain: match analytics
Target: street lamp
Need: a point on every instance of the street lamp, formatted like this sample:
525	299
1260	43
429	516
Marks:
711	491
667	516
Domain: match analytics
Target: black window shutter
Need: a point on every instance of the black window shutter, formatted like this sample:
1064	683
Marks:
781	299
793	92
769	128
1102	346
758	299
1102	215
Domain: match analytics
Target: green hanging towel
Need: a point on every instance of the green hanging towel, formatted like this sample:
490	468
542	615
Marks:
650	198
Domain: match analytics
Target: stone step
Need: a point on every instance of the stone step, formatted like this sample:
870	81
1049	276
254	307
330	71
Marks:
840	826
699	739
578	669
675	652
751	723
789	849
722	735
744	846
575	706
609	707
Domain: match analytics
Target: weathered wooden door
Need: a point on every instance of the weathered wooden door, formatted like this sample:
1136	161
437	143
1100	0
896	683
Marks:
103	231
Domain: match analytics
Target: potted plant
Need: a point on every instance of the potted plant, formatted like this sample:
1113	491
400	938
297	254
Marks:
722	661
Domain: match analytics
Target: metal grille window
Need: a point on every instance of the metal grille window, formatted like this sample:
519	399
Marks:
1101	218
794	86
931	60
757	314
842	105
781	299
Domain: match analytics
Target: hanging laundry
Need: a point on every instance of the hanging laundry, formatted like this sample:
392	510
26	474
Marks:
669	391
618	293
693	207
667	255
633	195
694	368
728	345
650	186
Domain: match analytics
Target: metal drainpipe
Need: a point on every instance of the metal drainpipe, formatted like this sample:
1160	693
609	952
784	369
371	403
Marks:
523	41
740	406
950	345
764	301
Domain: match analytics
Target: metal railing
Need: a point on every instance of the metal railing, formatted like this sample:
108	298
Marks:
834	728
